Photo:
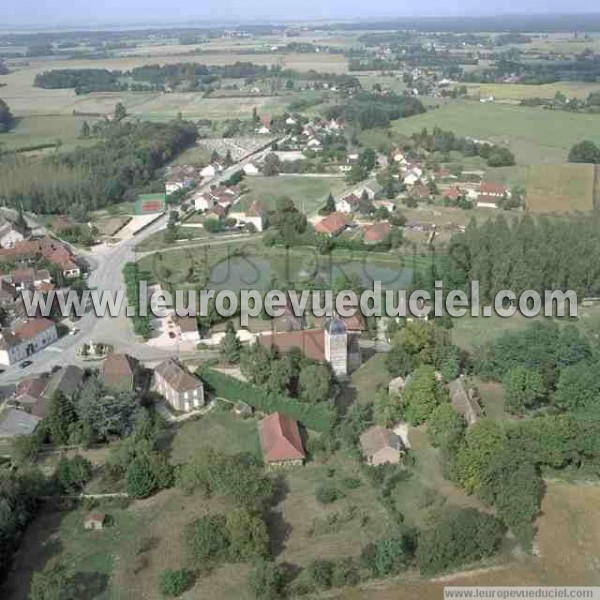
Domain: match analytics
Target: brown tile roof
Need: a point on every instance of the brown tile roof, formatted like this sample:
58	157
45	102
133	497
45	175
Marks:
377	232
453	193
332	224
280	439
177	376
118	368
33	387
256	209
491	187
487	199
377	438
33	327
311	342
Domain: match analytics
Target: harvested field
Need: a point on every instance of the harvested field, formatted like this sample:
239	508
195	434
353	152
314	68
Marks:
560	188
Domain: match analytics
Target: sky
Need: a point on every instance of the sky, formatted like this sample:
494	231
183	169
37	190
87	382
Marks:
87	12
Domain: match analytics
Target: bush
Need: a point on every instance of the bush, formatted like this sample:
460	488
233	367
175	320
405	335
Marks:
266	580
173	582
327	493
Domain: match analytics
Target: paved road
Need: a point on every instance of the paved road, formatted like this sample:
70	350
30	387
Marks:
106	266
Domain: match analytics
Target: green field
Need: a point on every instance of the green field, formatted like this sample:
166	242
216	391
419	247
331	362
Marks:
560	188
535	135
518	92
308	193
60	131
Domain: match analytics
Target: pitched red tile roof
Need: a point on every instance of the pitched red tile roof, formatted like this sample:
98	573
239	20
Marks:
377	232
311	342
118	368
453	193
280	439
490	187
332	224
31	328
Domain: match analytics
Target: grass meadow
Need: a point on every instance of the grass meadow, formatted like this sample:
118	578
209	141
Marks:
535	135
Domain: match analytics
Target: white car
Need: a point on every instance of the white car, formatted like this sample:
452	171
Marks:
74	331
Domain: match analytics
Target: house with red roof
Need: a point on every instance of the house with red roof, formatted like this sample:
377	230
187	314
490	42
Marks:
491	188
332	224
375	234
280	441
26	339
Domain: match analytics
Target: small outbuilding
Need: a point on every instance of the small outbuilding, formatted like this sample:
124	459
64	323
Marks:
94	520
381	446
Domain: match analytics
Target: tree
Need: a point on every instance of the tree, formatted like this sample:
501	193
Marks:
255	363
25	447
387	409
585	152
73	473
267	580
525	389
206	539
315	383
450	365
247	534
399	362
55	582
320	573
329	205
578	388
6	119
445	428
60	417
327	493
272	165
173	582
120	112
421	395
85	130
230	345
388	556
460	537
141	481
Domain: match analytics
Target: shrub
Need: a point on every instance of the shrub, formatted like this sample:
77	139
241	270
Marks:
327	493
173	582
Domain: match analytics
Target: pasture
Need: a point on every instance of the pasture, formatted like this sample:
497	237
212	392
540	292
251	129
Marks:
518	92
307	193
560	188
535	135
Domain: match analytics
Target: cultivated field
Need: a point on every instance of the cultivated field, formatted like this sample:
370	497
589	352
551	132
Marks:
534	135
560	188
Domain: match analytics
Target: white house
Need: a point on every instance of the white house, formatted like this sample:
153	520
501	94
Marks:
263	130
255	215
203	201
313	143
174	185
211	170
400	158
26	339
251	169
10	234
411	179
348	204
290	121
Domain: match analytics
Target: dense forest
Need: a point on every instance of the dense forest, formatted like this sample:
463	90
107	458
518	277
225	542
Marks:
6	118
124	162
530	254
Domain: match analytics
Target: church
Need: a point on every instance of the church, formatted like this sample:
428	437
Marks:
336	343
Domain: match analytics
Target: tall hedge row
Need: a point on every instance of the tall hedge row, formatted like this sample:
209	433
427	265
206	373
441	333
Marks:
318	417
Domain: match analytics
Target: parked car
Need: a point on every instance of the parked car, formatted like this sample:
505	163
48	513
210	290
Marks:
25	364
171	334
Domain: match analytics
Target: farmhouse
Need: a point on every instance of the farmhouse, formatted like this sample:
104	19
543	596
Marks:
203	201
348	204
332	224
255	215
120	372
26	339
280	441
94	520
381	446
14	422
182	390
490	188
375	234
463	403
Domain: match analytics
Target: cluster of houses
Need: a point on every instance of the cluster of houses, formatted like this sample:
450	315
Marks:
221	202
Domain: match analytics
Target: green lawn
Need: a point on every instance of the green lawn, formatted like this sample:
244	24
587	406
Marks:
308	193
223	431
62	132
371	375
535	135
